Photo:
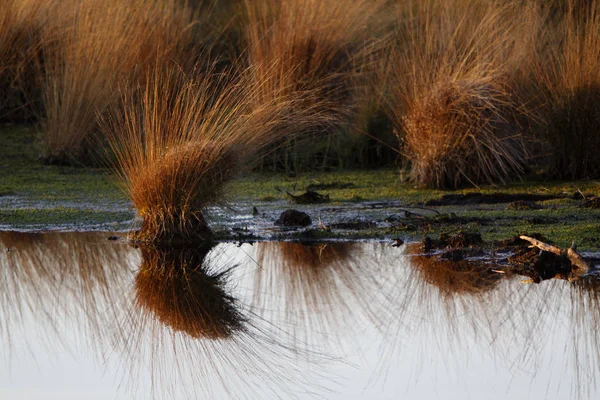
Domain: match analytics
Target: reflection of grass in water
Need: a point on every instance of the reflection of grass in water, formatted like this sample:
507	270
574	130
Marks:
175	287
322	289
67	280
187	328
55	276
456	277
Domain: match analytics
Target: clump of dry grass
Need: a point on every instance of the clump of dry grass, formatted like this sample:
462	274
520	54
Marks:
177	289
449	101
173	141
90	51
179	137
309	45
568	77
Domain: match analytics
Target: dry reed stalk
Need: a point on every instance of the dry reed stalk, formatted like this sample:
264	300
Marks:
450	102
93	49
568	78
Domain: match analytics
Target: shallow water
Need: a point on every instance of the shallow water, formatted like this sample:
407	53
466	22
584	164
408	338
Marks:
84	317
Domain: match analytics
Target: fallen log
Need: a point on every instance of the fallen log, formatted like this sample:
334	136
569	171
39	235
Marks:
580	266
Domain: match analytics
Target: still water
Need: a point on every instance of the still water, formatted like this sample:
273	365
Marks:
82	317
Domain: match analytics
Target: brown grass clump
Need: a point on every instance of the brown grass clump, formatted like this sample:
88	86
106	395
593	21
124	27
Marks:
173	142
450	102
90	51
175	287
178	138
315	46
568	78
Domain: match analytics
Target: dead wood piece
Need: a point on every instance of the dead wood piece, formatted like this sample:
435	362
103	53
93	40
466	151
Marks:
579	263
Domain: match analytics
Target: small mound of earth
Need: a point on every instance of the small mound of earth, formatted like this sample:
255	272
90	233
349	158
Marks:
293	218
523	205
481	198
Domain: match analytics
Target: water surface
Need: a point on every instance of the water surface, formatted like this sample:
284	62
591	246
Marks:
85	317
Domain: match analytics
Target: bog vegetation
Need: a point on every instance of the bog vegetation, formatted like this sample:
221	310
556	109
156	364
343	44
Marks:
181	95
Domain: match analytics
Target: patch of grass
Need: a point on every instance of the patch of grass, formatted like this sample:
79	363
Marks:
23	176
42	218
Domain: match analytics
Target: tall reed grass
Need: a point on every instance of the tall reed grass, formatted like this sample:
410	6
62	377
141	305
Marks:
450	101
567	76
301	45
91	51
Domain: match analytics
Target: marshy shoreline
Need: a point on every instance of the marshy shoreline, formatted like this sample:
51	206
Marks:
362	204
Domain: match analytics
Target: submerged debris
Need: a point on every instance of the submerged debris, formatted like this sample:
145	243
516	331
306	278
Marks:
293	218
462	240
592	202
354	225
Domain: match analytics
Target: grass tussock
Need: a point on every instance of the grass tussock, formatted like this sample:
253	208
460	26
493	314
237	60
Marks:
179	137
567	76
449	101
320	47
174	286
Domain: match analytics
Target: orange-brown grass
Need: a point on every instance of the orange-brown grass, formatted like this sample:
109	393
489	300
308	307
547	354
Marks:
310	45
449	101
179	137
175	287
568	78
91	50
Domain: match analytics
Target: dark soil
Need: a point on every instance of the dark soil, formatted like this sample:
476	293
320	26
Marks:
310	197
481	198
